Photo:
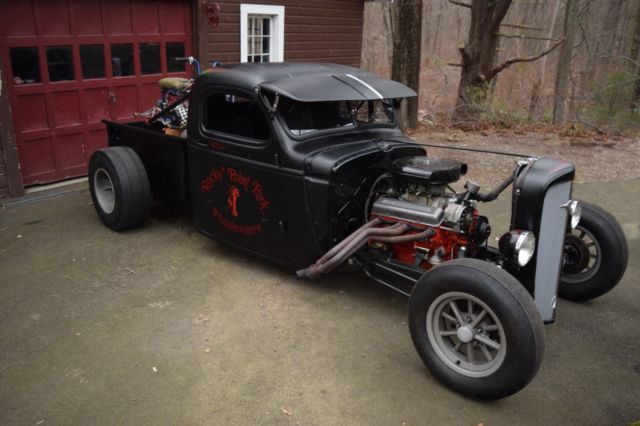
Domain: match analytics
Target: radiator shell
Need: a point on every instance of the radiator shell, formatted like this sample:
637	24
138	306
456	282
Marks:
539	193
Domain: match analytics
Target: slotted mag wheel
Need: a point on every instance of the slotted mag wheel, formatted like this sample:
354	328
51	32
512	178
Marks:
582	256
466	334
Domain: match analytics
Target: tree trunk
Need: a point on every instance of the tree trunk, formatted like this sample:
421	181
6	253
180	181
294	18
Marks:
564	65
494	81
407	37
538	88
635	57
478	57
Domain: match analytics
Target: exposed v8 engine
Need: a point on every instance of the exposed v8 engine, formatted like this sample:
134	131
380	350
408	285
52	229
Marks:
417	194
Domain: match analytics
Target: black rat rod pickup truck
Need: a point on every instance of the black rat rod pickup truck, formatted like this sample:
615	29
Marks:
304	164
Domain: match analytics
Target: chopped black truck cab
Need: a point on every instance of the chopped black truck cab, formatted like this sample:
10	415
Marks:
304	164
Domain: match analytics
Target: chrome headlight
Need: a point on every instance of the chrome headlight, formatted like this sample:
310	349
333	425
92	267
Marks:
518	246
575	211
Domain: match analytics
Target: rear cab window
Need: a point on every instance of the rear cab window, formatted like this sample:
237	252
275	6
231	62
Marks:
238	116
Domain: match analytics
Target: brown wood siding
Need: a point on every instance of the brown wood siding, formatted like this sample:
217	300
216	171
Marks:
315	31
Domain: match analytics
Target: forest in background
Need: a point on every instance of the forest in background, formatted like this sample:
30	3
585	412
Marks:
603	75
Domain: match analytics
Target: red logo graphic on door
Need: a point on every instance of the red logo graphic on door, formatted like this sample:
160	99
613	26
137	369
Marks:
242	206
232	200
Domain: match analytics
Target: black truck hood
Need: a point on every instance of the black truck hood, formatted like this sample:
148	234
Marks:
328	160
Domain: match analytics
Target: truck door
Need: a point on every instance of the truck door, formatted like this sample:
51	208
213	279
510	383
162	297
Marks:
234	174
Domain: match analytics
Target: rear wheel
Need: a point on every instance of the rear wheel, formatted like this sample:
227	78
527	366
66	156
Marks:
596	255
119	187
476	328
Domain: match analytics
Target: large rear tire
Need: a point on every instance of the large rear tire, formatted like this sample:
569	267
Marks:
476	328
119	187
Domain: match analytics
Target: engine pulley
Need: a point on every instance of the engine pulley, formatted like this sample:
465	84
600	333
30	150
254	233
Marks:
458	217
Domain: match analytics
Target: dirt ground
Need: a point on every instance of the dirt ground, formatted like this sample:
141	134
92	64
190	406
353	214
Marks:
597	158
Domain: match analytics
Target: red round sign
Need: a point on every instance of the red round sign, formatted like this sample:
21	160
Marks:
211	11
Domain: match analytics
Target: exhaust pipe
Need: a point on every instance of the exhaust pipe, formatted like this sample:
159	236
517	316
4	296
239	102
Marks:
344	242
426	234
354	242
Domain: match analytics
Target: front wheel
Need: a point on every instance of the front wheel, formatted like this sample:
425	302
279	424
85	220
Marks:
476	328
596	255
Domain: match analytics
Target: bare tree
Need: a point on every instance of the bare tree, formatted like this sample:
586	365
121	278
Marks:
564	65
479	65
635	59
538	87
407	28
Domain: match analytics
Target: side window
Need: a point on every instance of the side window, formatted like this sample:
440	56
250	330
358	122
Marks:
60	63
149	58
362	112
174	50
235	115
25	65
92	60
122	59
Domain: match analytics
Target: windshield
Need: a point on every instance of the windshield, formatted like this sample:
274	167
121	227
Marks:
307	117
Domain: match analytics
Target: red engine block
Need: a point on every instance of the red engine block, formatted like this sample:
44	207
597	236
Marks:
417	253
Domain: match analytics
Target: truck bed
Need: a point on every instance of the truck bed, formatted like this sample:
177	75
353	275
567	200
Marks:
164	157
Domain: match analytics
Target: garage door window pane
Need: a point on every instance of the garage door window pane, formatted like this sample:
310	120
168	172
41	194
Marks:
92	59
60	63
175	50
25	65
150	58
122	59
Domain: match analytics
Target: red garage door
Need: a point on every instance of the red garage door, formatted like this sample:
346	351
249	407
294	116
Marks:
69	64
